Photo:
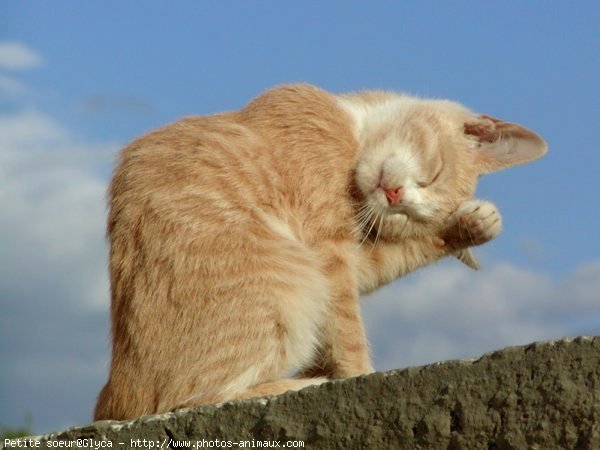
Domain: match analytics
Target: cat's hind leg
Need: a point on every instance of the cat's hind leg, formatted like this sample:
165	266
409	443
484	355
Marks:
263	322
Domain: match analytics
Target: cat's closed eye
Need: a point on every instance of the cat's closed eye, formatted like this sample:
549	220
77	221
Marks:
427	183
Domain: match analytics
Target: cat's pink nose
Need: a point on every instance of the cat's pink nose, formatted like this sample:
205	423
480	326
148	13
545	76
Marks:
394	195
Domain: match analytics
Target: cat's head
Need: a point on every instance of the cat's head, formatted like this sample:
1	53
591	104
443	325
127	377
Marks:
420	159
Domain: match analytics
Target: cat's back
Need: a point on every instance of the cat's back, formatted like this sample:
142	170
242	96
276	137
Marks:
289	152
282	127
199	170
181	153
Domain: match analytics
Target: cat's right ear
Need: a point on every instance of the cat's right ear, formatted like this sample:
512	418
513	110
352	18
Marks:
500	144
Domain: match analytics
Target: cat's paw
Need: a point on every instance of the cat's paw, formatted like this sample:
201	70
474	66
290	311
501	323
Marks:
475	222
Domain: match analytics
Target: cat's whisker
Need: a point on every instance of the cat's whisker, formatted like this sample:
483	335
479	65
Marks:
363	207
373	220
365	216
366	209
360	227
358	204
368	233
362	216
375	228
379	230
370	220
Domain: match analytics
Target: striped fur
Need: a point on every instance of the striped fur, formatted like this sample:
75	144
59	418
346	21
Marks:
240	242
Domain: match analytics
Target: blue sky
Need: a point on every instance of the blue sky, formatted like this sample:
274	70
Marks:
78	80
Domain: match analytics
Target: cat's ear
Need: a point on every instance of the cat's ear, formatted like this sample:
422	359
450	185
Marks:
500	144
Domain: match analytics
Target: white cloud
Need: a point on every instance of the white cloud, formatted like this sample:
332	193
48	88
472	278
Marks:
53	202
448	312
54	291
28	131
17	56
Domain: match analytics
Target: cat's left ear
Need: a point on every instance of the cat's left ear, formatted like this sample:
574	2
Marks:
502	144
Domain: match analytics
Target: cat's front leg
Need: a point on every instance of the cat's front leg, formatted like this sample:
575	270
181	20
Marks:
383	263
475	222
343	349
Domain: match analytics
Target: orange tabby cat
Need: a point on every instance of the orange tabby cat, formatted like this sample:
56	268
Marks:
240	242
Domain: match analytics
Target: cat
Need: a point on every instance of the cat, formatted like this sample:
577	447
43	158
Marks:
240	242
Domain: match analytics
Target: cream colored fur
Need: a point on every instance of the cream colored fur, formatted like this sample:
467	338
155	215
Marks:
240	242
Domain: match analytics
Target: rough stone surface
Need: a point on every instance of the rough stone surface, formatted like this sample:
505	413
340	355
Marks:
540	396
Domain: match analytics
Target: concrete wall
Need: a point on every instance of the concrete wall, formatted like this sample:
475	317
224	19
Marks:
541	396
